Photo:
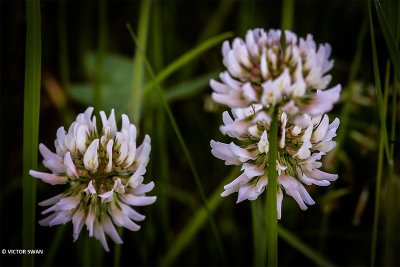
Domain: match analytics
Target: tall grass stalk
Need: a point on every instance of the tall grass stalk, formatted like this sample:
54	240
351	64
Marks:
383	142
271	211
31	125
138	69
182	143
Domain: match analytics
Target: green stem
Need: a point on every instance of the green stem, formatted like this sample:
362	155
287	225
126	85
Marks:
31	125
287	14
258	239
97	96
272	222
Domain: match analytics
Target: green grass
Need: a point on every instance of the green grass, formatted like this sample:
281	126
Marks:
31	124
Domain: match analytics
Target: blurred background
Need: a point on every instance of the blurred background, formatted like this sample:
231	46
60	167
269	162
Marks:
89	58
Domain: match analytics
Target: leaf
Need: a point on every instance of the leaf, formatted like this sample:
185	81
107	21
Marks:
116	77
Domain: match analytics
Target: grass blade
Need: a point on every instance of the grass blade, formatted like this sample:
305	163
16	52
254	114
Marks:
189	88
31	124
138	65
196	223
183	146
186	58
307	251
391	43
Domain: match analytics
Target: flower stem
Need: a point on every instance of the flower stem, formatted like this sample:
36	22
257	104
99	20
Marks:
272	223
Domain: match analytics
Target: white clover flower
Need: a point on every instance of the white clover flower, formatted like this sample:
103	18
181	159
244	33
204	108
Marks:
301	144
261	71
104	173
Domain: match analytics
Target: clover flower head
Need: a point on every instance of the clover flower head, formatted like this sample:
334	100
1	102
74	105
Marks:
262	70
269	71
104	172
301	145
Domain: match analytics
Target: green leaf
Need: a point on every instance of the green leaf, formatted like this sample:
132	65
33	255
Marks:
116	78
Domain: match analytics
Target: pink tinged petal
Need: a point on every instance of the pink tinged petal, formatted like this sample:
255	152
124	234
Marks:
296	130
219	87
261	184
240	180
143	151
109	125
59	142
323	101
49	178
61	217
67	203
90	189
232	64
325	146
90	220
321	175
242	153
279	198
90	159
309	181
107	196
253	131
138	200
251	43
304	151
81	137
229	81
223	152
46	221
99	235
132	146
249	92
110	229
109	155
136	179
143	188
51	160
252	170
290	108
236	129
247	191
121	219
263	64
78	220
263	144
240	51
271	94
294	189
229	100
332	130
283	130
52	200
131	213
225	48
70	166
321	130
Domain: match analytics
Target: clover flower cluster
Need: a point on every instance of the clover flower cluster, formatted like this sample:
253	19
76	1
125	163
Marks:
267	71
104	173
